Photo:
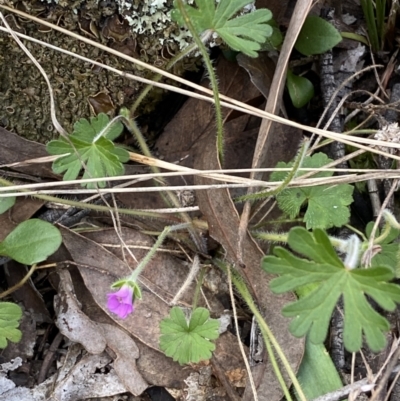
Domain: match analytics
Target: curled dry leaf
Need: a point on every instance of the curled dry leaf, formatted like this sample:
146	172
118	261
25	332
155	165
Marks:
15	149
72	322
125	363
86	380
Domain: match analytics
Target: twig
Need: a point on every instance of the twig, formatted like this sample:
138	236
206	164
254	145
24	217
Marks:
361	385
48	359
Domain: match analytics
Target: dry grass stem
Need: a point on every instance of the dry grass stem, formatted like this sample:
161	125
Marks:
230	103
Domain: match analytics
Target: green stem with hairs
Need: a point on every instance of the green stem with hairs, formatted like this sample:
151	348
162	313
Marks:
385	232
198	288
185	52
99	208
275	237
136	273
269	338
292	174
211	74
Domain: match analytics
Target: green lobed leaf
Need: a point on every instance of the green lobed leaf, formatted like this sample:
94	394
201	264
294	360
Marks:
226	10
327	205
32	241
317	36
201	17
330	279
10	314
101	157
243	33
301	90
185	341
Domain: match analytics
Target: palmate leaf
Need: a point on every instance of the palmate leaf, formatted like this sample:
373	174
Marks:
10	314
326	272
327	205
244	33
101	157
188	341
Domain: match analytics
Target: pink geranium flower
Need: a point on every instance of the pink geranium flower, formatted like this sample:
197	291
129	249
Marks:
121	302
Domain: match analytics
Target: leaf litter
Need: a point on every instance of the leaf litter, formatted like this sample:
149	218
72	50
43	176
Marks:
90	270
99	267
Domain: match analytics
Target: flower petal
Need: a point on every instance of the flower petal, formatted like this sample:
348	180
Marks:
121	301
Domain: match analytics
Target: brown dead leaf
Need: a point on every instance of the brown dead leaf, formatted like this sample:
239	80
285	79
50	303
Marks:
163	276
28	295
72	322
23	209
99	269
260	69
154	366
94	337
223	221
183	138
161	279
279	9
126	354
15	149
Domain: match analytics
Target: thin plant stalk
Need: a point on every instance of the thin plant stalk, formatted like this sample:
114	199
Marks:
212	77
99	208
185	52
292	174
161	238
269	338
369	13
380	6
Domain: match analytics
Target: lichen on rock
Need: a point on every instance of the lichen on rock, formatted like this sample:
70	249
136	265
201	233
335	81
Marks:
141	29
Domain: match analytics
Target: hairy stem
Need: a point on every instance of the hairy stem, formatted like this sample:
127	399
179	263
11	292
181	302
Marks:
292	174
156	78
136	273
212	76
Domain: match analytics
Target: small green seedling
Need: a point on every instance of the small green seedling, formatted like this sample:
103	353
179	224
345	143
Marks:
375	15
316	37
244	33
301	90
327	205
91	143
188	341
331	279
